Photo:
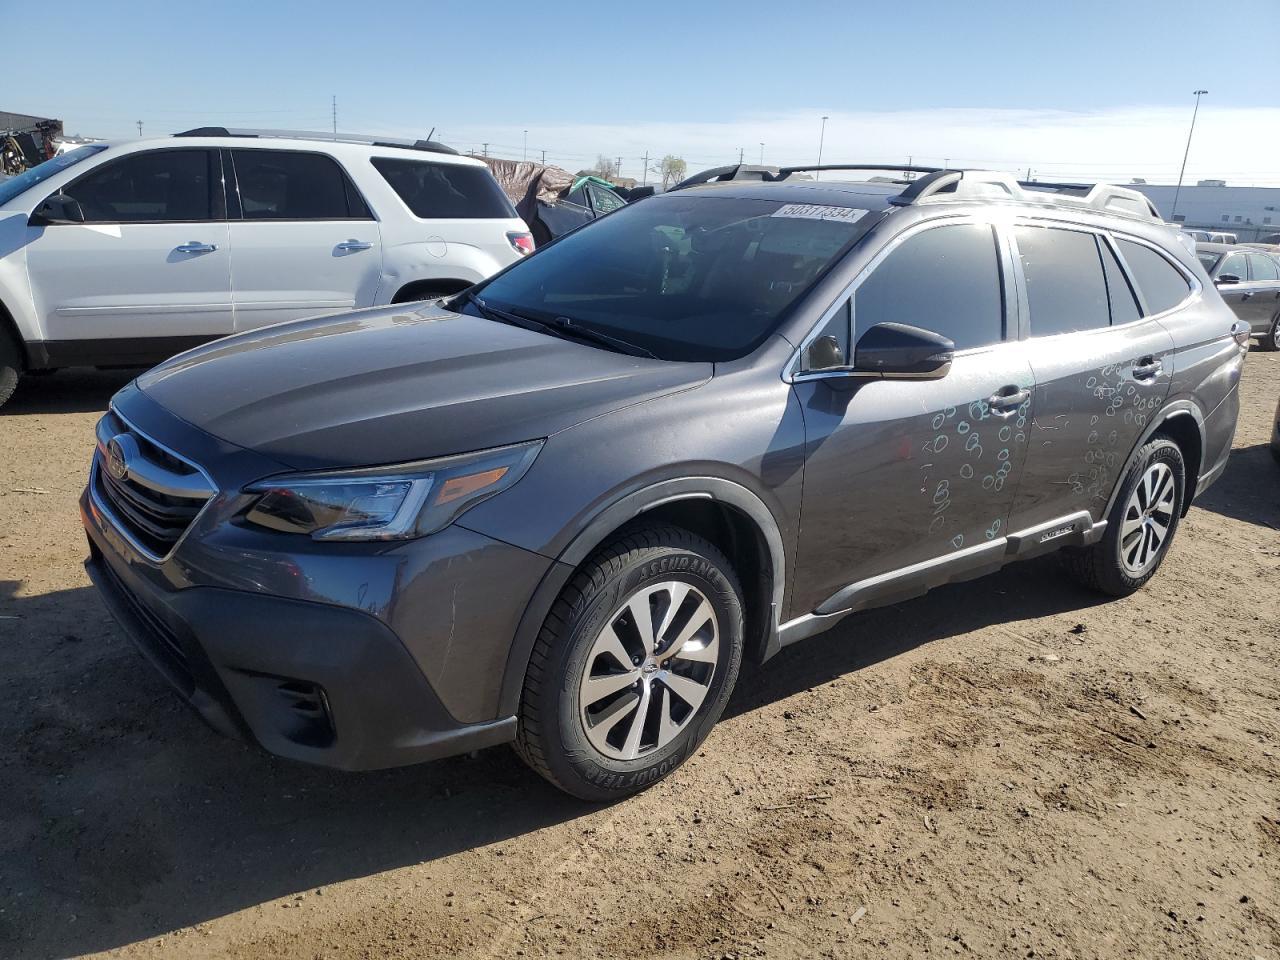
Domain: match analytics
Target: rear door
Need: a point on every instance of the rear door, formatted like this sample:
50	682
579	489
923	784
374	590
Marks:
1232	281
899	472
305	241
1262	302
1101	358
150	265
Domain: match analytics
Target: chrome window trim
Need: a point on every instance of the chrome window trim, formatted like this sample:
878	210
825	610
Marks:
116	524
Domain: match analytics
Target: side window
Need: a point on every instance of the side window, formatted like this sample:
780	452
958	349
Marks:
445	191
578	196
603	200
158	186
818	355
1124	305
283	185
1162	284
1262	268
945	279
1066	289
1235	266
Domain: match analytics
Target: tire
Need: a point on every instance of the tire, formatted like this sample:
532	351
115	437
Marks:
10	366
1271	339
592	744
1121	562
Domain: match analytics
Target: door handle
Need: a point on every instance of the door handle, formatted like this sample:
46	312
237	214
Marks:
1247	296
354	245
1008	399
1146	369
195	246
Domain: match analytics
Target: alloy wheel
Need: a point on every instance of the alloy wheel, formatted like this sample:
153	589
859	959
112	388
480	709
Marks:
1148	517
649	670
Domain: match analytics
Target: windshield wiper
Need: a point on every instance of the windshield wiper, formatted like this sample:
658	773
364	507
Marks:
570	327
562	327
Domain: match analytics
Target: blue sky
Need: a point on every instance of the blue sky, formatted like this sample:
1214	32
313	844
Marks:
1080	88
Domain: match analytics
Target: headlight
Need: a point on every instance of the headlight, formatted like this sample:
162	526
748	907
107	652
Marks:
387	503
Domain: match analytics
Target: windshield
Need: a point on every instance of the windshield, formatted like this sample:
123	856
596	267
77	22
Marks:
680	276
43	171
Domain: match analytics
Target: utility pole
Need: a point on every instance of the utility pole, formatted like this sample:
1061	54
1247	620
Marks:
544	158
139	128
645	161
762	153
1186	152
335	116
618	169
526	146
1028	174
485	150
909	174
822	136
740	153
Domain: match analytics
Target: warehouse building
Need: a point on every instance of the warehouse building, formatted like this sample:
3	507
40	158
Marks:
1248	212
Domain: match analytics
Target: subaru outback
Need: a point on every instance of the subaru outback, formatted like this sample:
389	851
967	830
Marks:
563	507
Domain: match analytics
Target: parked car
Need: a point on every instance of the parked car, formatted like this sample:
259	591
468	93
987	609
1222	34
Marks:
563	507
127	253
1249	281
550	199
1275	433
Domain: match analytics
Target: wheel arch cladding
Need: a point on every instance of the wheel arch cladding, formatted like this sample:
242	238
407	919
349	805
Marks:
726	514
1183	429
415	289
9	328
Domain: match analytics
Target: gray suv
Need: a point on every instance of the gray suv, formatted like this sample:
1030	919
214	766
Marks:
563	507
1249	281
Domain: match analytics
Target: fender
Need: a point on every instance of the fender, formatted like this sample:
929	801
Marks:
611	518
1174	408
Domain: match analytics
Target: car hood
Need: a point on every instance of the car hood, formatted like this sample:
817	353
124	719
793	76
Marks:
399	383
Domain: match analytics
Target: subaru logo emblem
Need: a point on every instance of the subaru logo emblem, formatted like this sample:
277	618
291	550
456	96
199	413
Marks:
117	465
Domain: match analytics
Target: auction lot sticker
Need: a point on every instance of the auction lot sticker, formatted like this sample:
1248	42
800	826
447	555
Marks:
819	211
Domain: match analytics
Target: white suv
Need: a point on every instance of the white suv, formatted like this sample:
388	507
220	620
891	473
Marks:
127	253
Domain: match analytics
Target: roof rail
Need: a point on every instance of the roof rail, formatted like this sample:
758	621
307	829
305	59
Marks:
958	184
734	171
430	146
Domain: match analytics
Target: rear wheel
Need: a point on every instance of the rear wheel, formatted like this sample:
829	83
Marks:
10	366
634	665
1141	524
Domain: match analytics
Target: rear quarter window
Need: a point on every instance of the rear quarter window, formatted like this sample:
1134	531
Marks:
1162	285
441	191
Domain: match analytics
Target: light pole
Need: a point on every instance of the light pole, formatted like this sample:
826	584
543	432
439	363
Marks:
762	153
1186	152
817	174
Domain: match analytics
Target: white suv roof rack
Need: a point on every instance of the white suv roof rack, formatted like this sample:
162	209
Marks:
1104	197
428	145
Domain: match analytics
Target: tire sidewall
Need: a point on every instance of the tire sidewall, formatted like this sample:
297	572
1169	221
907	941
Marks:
10	365
1160	450
578	761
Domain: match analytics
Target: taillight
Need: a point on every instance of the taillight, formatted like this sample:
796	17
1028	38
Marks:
521	243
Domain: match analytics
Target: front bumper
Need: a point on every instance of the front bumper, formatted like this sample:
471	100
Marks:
307	681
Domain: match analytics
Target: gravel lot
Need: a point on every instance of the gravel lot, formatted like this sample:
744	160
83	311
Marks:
1007	768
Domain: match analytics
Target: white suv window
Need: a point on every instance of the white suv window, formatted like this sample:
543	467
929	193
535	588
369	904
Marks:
445	191
159	186
295	185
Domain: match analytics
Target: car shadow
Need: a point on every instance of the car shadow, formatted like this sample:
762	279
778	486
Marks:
1249	490
134	819
75	390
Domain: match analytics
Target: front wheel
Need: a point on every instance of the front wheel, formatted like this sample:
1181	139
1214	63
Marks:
1141	524
634	665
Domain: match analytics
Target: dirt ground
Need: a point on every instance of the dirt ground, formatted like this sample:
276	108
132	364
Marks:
1008	768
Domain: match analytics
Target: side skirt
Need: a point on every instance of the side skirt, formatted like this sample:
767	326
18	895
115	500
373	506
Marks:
1074	530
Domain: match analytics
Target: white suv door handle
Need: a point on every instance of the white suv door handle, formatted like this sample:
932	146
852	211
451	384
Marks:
354	245
195	246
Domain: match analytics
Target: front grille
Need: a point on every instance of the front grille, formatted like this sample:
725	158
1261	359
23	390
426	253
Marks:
152	494
155	634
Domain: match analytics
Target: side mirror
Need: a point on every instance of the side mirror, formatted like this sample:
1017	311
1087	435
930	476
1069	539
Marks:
1226	279
58	208
897	350
824	354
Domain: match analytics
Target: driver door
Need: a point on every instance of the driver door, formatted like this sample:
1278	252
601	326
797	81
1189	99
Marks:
907	477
